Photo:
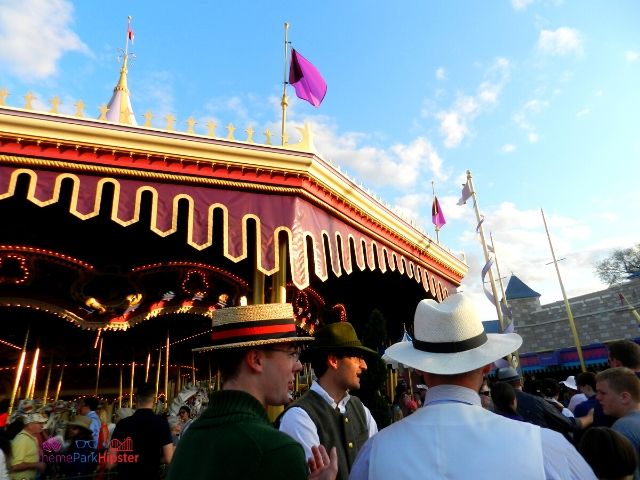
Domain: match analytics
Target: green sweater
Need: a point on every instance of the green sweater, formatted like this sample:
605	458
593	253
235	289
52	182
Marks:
233	439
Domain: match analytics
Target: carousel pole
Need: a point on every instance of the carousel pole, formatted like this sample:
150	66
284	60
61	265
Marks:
120	389
16	383
572	324
193	370
158	375
98	366
285	101
59	387
133	372
31	388
146	371
166	373
46	384
210	384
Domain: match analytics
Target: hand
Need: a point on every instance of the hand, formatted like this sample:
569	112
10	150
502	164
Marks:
323	466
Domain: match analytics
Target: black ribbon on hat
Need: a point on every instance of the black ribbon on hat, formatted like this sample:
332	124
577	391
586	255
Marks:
451	347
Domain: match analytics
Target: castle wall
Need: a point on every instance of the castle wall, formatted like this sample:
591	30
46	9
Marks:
599	317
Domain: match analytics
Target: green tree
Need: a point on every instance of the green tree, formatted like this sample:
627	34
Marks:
617	267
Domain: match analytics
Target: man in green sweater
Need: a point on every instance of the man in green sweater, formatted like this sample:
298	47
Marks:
257	352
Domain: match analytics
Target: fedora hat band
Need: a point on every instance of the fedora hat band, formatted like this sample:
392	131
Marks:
451	347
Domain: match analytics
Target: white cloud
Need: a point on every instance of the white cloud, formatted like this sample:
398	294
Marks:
533	137
34	35
522	249
583	112
522	117
455	121
560	42
398	166
631	56
441	74
508	148
521	4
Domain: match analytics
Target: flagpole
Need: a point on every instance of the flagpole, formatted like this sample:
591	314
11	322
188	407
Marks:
285	100
433	191
126	47
476	207
46	385
631	307
495	257
572	324
504	295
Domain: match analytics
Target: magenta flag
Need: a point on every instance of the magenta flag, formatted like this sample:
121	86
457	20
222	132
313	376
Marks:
306	79
437	215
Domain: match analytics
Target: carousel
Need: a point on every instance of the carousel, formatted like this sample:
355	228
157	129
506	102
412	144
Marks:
122	235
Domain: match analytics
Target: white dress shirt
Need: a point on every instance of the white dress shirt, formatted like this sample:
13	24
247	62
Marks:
298	424
560	459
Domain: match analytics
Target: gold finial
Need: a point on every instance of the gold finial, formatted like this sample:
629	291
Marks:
211	126
230	130
249	134
4	93
103	112
55	103
125	115
267	136
190	124
171	120
79	109
28	101
147	118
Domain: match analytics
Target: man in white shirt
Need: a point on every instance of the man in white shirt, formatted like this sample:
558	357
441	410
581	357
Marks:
327	414
452	436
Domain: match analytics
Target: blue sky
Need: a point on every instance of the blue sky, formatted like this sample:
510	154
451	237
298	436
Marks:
539	99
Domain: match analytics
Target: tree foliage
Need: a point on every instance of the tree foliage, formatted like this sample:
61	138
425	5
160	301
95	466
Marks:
618	266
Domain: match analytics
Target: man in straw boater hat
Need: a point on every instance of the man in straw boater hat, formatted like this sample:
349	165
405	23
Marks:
258	354
452	436
326	413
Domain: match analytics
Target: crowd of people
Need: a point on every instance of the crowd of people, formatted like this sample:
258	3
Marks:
464	422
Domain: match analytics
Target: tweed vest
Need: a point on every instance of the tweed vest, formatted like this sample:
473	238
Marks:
346	432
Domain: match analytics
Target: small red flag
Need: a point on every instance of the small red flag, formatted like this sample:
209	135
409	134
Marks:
130	32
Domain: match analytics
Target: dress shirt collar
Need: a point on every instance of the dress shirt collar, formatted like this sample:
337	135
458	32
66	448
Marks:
450	394
342	404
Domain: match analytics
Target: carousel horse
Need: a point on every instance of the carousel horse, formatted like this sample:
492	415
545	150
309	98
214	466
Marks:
193	397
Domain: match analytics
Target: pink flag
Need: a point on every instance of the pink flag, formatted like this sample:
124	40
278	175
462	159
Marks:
437	215
306	79
466	194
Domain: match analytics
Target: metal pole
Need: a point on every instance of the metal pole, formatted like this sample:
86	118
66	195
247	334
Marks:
572	324
285	100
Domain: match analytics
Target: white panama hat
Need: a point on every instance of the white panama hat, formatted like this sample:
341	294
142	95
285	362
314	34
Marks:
448	338
570	382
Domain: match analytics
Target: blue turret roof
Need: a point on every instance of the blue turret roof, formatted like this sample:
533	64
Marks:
518	289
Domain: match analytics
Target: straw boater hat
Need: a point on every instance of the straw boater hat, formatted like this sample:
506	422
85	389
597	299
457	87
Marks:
336	338
253	325
449	338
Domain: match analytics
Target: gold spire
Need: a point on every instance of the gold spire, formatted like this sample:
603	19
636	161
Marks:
120	110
